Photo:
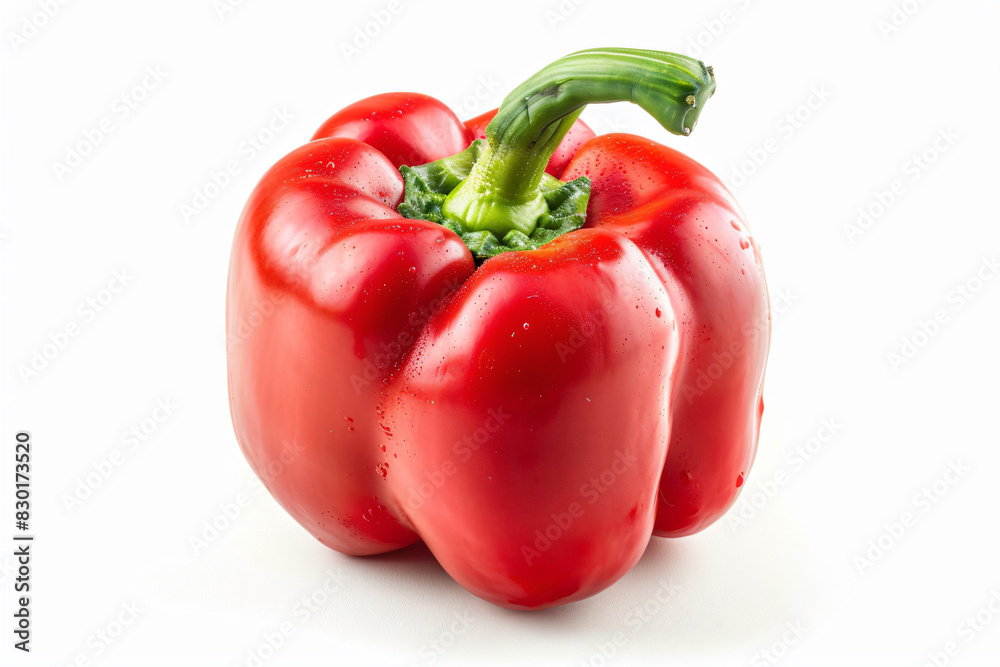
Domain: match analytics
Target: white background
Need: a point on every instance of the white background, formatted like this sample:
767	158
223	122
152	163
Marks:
819	546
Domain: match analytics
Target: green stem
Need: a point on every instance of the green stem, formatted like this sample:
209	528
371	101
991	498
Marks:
503	192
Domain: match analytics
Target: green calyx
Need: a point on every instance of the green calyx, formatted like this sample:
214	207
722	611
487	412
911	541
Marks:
563	205
496	194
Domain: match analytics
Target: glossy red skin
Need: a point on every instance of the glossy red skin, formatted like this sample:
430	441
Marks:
408	128
371	364
577	136
570	347
320	297
694	235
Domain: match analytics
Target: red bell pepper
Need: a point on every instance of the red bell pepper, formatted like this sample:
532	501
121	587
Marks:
432	337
